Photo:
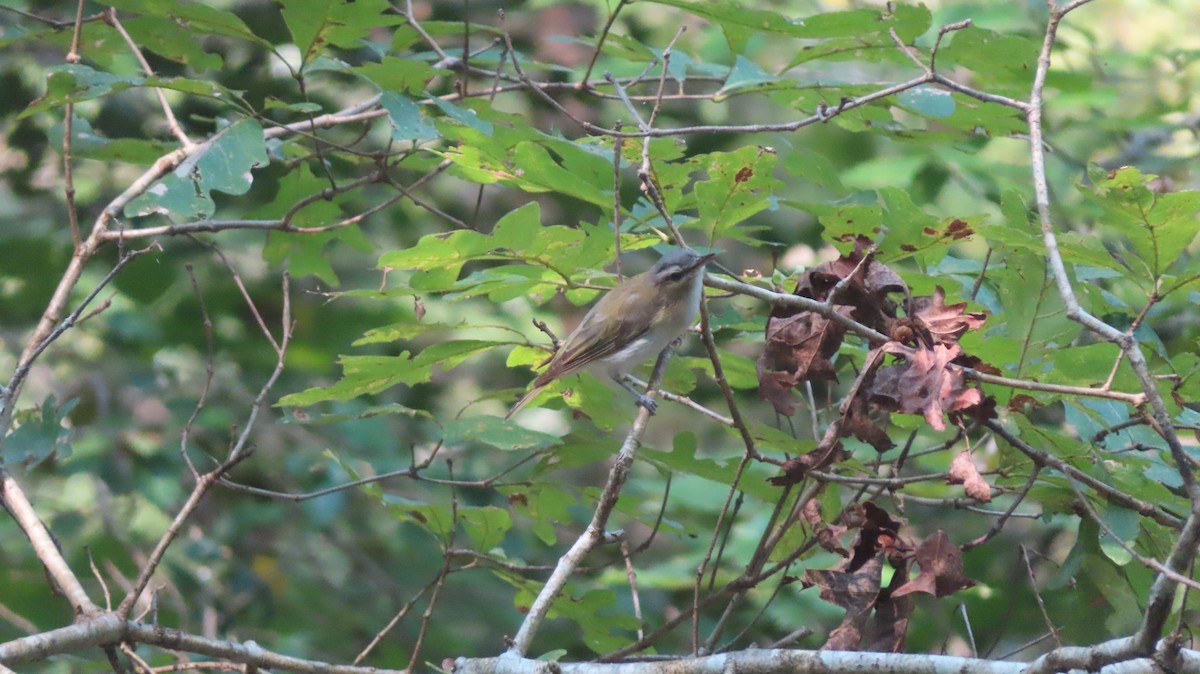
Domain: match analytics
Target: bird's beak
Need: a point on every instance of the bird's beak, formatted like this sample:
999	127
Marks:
700	262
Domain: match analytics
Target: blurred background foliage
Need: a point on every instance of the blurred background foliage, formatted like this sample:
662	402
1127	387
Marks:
410	343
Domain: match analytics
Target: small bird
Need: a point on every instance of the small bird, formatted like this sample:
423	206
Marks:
632	322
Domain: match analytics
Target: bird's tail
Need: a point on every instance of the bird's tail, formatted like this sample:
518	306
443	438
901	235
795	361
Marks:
524	400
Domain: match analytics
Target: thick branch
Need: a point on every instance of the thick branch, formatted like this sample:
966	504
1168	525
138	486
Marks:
107	628
810	662
44	545
1183	555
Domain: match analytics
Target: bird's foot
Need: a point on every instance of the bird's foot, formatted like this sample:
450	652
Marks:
649	403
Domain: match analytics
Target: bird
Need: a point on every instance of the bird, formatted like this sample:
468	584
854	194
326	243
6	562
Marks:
632	322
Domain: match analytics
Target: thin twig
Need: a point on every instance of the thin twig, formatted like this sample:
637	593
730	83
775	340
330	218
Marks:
68	134
612	17
383	632
209	369
999	523
618	146
594	532
44	546
440	580
1113	494
110	17
876	337
1037	595
631	577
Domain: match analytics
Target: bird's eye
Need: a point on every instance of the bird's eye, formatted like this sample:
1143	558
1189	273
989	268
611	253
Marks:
677	274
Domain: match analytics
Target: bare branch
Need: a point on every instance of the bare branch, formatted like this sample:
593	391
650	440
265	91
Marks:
833	662
14	501
110	17
594	533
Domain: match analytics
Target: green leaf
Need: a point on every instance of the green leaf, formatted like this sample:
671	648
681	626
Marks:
363	375
315	23
1124	524
842	222
1006	59
1159	227
408	123
440	256
1018	231
912	231
744	74
75	82
875	48
307	253
516	229
740	184
486	525
594	613
87	144
223	164
170	40
928	101
815	168
438	520
908	21
42	433
496	432
465	116
198	18
546	503
406	75
683	459
450	354
540	171
1032	310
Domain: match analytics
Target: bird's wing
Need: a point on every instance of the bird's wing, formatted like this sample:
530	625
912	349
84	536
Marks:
584	346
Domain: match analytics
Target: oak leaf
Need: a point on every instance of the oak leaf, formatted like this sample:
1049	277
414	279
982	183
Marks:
946	324
924	384
941	568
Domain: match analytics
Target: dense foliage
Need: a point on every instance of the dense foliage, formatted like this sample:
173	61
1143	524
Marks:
272	273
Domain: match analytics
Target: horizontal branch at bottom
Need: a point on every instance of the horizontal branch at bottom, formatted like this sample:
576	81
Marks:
107	628
809	662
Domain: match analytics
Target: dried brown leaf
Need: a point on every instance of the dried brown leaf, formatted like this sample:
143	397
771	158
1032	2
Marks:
828	535
924	384
941	568
799	346
888	628
880	533
855	591
844	637
857	423
963	471
946	324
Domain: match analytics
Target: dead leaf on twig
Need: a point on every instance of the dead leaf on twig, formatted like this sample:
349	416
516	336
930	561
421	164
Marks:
800	345
924	384
945	324
941	568
963	471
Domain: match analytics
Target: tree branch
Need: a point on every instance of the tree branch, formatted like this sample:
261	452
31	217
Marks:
594	533
813	662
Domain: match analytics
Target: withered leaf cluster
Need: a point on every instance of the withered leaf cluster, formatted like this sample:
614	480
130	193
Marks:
876	616
800	345
926	377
